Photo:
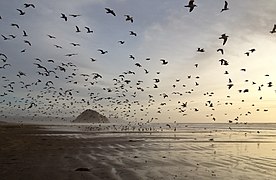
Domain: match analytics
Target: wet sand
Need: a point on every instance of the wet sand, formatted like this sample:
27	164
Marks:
32	152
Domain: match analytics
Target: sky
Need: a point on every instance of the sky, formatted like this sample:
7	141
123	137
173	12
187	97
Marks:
130	81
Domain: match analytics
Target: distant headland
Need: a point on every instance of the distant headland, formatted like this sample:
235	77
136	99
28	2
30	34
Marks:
91	116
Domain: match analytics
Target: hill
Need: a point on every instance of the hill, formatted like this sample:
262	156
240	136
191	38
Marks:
91	116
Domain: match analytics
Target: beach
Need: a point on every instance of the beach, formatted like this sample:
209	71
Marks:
37	152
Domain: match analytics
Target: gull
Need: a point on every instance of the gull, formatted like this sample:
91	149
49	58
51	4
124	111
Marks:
131	57
223	62
5	38
74	15
21	12
27	42
230	85
273	30
138	65
110	11
51	37
156	80
72	54
57	46
191	5
77	29
15	25
41	67
32	104
247	53
2	54
220	50
20	73
252	50
225	6
133	33
12	36
102	51
200	50
4	66
129	18
164	62
25	34
29	5
37	59
63	16
75	44
88	29
224	37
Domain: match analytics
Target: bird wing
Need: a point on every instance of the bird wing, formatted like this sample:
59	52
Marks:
225	4
78	29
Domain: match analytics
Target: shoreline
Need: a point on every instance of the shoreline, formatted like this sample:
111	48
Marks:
35	152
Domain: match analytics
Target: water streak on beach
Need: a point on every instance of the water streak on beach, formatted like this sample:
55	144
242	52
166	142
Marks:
194	151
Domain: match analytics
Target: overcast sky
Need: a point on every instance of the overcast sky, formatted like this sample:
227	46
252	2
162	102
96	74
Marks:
165	30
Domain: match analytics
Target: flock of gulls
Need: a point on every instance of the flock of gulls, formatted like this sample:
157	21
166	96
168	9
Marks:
41	96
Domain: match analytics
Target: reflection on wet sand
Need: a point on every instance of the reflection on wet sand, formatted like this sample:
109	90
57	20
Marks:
29	152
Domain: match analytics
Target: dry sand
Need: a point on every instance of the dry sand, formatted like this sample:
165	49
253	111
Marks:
32	152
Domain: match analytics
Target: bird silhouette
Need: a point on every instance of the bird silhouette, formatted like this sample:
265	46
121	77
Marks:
4	66
57	46
246	53
25	33
224	37
71	54
102	51
77	29
138	64
20	12
110	11
88	29
51	37
5	38
191	5
200	50
164	62
225	8
274	29
27	42
220	50
29	5
131	57
132	33
252	50
129	18
74	15
75	44
63	16
223	62
15	25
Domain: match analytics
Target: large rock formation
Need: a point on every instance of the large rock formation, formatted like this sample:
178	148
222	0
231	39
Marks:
91	116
